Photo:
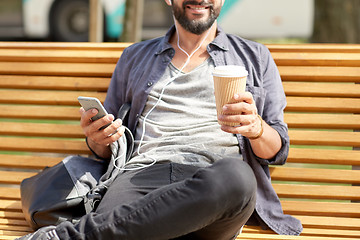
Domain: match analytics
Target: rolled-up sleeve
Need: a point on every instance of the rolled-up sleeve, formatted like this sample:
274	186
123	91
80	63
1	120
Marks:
274	105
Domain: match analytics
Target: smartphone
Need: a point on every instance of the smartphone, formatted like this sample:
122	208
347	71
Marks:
90	103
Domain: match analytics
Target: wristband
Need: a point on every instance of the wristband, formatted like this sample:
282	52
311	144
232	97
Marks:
261	130
93	152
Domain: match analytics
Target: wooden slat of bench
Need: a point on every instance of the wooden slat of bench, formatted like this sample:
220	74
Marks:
10	205
61	55
315	232
305	104
310	232
57	69
288	73
69	56
316	48
13	222
11	234
14	177
326	138
344	121
74	131
6	217
327	121
40	112
11	237
330	209
322	74
15	228
329	222
317	191
46	97
41	130
54	83
251	236
283	190
108	46
311	89
326	74
316	59
27	162
324	156
319	104
9	193
296	155
43	145
314	175
330	233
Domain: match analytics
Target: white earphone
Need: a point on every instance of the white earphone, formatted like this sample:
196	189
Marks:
170	80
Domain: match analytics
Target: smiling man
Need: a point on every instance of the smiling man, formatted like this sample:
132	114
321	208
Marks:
189	177
196	17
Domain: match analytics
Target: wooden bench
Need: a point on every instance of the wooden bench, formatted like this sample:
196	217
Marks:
40	83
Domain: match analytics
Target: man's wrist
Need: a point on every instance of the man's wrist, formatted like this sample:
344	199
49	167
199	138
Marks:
260	133
93	151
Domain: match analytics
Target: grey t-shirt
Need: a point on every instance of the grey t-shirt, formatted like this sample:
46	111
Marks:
183	126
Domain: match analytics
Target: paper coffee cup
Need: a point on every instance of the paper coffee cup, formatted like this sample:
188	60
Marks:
228	80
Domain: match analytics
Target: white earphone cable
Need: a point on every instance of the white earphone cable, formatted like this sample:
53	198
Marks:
159	99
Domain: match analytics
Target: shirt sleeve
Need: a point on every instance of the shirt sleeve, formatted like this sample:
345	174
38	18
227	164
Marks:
115	96
274	105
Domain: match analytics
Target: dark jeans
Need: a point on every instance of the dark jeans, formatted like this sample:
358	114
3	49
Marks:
172	201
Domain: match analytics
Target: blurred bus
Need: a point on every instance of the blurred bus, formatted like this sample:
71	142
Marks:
68	20
59	20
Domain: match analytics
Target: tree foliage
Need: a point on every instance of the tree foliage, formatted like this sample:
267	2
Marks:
337	21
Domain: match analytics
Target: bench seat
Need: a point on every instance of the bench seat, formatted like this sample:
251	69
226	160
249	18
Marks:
320	184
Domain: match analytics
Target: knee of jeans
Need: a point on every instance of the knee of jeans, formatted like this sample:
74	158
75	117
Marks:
231	180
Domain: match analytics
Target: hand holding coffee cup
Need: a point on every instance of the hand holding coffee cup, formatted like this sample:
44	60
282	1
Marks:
228	81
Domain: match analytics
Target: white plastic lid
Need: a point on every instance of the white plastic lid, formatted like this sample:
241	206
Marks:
230	71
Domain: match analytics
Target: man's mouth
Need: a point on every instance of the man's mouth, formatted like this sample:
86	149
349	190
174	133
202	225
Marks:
197	9
197	6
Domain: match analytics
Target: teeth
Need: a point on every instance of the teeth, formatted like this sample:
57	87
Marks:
198	8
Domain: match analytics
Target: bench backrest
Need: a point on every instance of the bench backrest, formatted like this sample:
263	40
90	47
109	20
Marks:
40	83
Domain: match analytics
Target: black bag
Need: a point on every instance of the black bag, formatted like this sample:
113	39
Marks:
58	193
73	187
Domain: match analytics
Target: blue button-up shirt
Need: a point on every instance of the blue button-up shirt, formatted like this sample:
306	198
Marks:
142	64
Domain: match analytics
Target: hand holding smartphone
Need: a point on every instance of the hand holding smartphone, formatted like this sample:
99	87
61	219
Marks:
93	103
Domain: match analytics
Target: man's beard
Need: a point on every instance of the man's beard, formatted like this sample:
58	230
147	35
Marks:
195	26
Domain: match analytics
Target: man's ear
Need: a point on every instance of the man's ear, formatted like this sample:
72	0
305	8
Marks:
168	2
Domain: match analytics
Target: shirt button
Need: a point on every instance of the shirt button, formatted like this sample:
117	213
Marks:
149	84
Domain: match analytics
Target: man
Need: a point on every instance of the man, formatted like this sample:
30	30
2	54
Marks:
189	178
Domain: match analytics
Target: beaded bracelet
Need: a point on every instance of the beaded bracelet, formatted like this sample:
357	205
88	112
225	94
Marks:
261	130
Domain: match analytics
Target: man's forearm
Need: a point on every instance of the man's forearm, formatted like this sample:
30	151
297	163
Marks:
268	145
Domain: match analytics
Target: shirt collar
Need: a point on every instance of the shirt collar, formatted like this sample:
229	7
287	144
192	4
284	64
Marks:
164	44
221	40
